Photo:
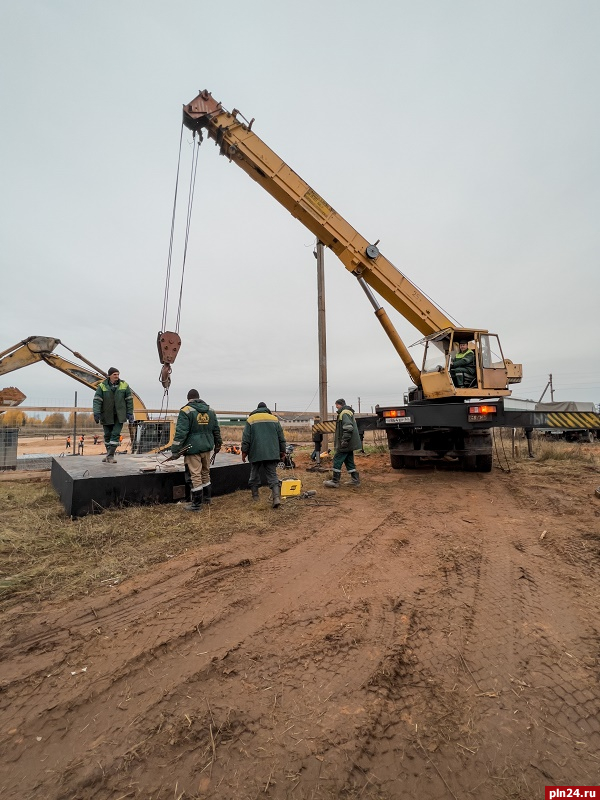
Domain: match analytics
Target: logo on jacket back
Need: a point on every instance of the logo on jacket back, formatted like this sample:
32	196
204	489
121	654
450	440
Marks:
202	418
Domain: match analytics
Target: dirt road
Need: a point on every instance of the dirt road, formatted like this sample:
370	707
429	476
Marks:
431	635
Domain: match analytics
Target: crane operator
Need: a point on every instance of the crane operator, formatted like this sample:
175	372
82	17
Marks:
462	367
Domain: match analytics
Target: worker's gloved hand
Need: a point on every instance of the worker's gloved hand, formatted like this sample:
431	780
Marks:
281	456
345	445
97	418
130	419
217	448
175	453
244	456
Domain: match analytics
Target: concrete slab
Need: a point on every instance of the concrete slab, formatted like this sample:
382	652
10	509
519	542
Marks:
86	485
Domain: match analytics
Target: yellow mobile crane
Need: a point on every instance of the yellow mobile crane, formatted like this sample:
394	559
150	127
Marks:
433	380
146	435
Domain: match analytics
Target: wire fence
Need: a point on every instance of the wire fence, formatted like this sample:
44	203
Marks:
34	461
29	448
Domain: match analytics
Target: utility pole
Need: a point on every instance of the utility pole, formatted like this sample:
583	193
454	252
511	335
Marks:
548	386
319	255
359	405
73	450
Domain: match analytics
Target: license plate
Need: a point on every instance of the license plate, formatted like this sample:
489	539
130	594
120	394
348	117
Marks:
394	420
477	417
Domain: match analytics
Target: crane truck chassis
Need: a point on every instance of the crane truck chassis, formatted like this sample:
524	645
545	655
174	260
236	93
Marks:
416	435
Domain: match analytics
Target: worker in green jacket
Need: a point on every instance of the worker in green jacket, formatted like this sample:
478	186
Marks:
263	444
462	366
346	441
113	405
197	433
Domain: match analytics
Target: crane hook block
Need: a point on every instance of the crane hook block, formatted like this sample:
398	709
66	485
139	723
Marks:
168	344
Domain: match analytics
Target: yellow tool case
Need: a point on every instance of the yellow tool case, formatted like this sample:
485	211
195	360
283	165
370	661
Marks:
291	488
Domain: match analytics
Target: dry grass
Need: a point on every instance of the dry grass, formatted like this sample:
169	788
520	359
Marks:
555	450
44	553
546	450
233	434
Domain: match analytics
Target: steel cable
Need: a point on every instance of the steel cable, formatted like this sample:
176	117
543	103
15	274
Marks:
187	225
498	460
170	256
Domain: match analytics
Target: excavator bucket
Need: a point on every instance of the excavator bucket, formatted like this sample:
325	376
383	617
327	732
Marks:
10	397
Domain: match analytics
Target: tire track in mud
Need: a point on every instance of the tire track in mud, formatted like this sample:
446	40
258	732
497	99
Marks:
507	655
407	706
321	653
156	608
408	648
515	628
291	577
558	663
492	634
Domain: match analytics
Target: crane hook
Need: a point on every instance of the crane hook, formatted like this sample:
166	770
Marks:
168	343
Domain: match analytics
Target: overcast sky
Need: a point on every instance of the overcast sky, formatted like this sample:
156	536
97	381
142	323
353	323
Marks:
465	136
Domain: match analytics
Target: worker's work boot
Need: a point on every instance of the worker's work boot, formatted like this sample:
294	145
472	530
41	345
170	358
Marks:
334	483
254	493
354	478
197	497
110	454
276	496
207	493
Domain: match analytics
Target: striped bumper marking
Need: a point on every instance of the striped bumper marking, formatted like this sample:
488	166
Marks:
324	427
572	419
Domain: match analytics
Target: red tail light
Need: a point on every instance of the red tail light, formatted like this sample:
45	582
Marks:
482	409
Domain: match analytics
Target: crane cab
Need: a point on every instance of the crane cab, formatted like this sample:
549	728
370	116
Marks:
488	374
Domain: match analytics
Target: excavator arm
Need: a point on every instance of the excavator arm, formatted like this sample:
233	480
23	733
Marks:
41	348
26	352
237	142
147	436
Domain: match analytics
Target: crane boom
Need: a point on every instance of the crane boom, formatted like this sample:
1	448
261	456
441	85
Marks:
443	416
241	145
439	378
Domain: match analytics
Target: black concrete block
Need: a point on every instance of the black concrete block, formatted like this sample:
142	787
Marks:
86	485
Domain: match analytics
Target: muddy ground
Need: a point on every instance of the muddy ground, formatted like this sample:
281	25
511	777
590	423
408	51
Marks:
429	635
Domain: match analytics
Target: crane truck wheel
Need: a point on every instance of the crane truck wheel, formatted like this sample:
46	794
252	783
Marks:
484	463
397	462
